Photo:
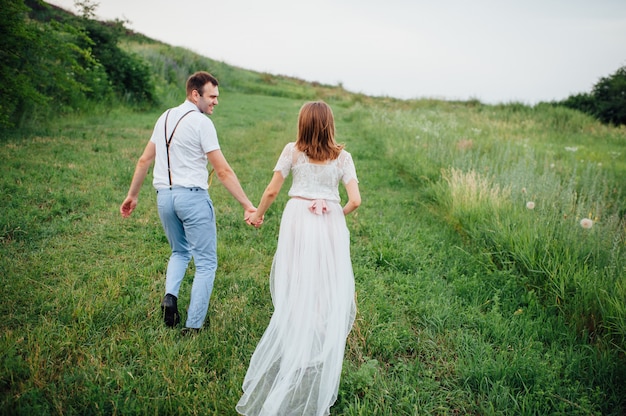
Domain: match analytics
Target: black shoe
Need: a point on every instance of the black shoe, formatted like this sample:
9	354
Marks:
169	307
189	331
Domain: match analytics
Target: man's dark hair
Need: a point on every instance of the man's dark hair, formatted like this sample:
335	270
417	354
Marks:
198	80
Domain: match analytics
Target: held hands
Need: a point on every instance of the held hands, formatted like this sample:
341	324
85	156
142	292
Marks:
252	218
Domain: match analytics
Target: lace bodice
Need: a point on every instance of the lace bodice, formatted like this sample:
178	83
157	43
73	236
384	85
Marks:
315	181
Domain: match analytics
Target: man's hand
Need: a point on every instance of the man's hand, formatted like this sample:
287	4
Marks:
128	206
254	219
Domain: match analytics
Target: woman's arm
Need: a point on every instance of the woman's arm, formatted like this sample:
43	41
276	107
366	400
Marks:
270	194
354	197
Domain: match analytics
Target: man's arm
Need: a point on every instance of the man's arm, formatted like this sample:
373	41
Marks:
228	178
141	170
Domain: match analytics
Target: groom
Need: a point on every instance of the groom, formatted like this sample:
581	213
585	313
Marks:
182	142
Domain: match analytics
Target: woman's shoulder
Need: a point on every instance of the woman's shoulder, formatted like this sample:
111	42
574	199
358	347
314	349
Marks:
288	150
344	154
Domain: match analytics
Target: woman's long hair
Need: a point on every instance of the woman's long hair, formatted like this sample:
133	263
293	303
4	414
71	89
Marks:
316	132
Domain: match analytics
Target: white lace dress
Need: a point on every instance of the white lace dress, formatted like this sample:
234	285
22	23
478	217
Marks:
296	367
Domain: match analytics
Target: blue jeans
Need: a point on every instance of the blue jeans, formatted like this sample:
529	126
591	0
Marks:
188	219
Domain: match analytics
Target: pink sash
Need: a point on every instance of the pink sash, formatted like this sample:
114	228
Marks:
318	207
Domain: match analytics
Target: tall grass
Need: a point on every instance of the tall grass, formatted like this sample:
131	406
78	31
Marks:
523	201
468	302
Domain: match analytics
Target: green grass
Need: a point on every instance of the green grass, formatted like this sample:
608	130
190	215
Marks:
468	302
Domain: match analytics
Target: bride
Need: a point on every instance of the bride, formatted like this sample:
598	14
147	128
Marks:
296	367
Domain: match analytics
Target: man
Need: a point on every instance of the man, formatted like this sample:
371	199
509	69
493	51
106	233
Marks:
182	141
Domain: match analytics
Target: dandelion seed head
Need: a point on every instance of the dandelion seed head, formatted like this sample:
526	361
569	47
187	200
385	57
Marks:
523	190
530	205
586	223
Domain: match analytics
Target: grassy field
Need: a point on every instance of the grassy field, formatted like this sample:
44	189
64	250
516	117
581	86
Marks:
470	299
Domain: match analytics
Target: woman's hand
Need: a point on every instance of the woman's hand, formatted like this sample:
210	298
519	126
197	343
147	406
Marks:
255	220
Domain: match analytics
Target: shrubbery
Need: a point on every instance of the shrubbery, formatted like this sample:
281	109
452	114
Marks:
607	100
610	97
54	60
130	77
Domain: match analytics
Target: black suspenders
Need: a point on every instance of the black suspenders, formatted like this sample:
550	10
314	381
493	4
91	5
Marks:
168	141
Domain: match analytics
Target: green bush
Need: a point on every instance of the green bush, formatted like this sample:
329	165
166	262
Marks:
607	100
583	102
54	61
18	37
130	76
610	97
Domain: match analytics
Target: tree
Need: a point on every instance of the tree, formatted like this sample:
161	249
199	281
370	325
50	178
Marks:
610	97
87	8
607	100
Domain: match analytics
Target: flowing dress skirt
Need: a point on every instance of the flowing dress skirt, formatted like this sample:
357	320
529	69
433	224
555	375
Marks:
296	367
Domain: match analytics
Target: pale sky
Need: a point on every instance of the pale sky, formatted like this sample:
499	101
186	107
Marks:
496	51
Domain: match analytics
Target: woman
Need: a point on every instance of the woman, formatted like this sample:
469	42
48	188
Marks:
296	366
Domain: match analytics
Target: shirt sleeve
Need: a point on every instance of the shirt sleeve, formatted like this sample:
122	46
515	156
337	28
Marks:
348	169
208	135
158	133
285	161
